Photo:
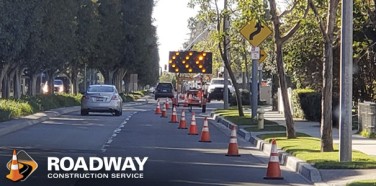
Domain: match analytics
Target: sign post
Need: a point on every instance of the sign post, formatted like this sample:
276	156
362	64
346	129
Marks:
255	33
255	54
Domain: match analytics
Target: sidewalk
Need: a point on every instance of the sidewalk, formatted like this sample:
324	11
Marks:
359	143
319	177
7	127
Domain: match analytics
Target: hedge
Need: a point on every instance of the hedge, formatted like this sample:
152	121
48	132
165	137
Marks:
307	105
14	108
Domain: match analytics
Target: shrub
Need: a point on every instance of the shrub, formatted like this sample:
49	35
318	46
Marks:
367	134
11	108
127	97
306	104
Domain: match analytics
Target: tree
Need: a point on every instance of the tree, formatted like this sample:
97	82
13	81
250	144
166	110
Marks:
280	39
209	14
326	100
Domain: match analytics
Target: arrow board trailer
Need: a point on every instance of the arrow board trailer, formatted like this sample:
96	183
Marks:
184	63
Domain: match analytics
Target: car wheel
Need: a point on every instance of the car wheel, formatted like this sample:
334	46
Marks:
118	113
84	112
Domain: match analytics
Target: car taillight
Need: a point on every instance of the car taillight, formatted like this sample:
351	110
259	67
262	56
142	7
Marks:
114	97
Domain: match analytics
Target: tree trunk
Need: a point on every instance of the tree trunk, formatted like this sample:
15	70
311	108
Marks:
33	85
326	102
225	57
245	57
5	88
127	79
50	82
3	73
109	77
290	130
17	83
119	76
327	90
74	80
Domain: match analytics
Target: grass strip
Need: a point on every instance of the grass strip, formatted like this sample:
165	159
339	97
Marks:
307	148
246	122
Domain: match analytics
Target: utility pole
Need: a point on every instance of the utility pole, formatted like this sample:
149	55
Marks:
227	48
346	82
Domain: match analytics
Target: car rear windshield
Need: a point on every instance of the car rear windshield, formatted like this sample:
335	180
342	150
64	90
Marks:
58	82
164	86
100	89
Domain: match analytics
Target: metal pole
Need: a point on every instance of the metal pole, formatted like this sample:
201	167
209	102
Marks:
85	78
259	82
254	87
346	82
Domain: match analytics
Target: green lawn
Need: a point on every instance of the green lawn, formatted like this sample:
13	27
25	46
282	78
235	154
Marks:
363	183
246	122
308	148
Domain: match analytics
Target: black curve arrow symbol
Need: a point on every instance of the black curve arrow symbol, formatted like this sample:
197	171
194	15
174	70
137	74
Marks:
258	27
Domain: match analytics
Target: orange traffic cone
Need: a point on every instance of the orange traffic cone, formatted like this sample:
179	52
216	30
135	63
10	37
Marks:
233	145
174	118
273	171
182	123
205	136
164	114
167	104
14	174
185	103
158	109
193	126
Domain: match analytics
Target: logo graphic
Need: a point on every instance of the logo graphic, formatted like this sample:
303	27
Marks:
21	166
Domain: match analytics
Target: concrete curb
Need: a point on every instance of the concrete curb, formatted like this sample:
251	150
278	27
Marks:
303	168
10	126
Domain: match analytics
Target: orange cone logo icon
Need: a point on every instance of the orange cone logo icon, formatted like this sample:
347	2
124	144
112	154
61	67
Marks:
205	136
21	166
193	126
233	145
174	117
273	171
182	123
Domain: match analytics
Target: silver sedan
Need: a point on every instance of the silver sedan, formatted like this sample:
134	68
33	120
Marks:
101	98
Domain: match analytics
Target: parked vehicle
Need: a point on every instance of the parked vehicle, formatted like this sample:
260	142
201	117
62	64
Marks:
101	98
58	86
216	87
164	90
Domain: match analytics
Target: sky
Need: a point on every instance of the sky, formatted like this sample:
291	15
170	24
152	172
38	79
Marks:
171	19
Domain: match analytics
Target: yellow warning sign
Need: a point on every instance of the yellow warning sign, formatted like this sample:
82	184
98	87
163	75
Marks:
255	32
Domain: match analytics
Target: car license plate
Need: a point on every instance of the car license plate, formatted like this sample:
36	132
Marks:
99	99
164	90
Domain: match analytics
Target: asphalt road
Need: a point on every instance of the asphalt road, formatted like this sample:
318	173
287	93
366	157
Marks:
174	157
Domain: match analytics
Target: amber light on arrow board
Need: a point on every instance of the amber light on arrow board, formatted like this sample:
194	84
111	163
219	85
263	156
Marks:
190	62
